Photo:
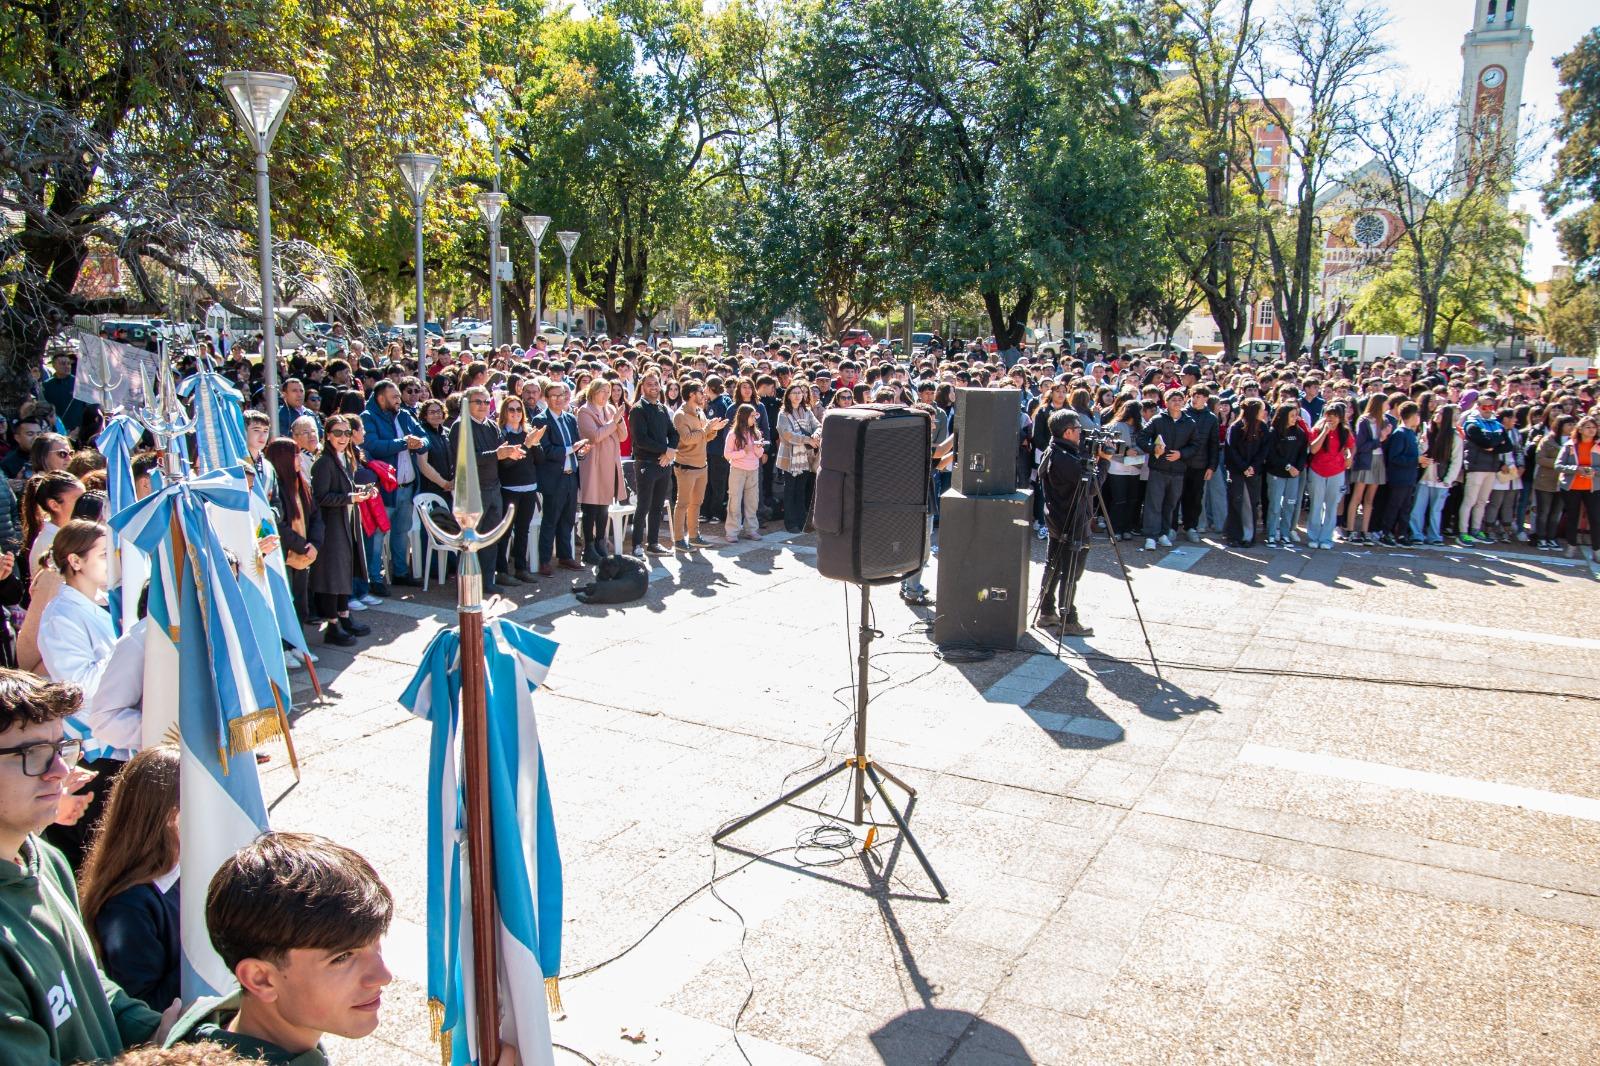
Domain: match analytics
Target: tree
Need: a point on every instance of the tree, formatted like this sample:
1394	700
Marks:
123	110
1320	55
1572	317
1577	176
619	122
1475	273
1448	206
1029	111
1201	120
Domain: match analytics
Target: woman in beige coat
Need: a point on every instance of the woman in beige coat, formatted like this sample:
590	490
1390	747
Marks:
600	482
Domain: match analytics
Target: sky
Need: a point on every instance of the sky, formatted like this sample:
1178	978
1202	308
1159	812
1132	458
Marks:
1426	38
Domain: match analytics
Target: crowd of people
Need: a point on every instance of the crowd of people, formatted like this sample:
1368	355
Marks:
690	449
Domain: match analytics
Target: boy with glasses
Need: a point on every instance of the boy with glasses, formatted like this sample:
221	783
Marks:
55	1004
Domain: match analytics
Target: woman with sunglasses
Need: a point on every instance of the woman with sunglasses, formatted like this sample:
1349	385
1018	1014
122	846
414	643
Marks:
519	486
336	494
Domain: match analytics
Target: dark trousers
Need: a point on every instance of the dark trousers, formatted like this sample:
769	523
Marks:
797	500
770	505
1161	495
300	592
1547	514
560	501
1062	572
714	508
1194	496
1397	508
74	840
1575	503
655	481
513	547
494	509
1122	502
1243	492
596	517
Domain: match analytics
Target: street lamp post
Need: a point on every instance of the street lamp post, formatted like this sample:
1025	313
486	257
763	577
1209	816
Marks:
491	204
260	100
569	241
417	172
536	225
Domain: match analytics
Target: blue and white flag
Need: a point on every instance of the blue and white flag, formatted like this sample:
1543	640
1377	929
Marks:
218	419
116	442
527	862
223	699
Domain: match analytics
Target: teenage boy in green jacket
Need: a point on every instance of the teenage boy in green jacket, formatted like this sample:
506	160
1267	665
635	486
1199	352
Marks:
55	1004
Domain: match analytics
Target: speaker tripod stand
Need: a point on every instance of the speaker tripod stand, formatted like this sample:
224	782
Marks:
862	767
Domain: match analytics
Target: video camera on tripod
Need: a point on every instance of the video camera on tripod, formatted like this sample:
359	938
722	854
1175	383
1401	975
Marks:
1093	440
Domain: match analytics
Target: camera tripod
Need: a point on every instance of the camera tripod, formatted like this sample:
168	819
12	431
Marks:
1063	548
862	767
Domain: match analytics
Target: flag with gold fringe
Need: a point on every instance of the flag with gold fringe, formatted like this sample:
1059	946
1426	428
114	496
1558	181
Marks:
527	861
223	698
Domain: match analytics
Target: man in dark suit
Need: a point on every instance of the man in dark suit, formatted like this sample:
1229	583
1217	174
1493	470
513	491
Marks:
559	451
486	444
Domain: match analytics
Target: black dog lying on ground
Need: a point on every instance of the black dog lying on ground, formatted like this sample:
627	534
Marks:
618	579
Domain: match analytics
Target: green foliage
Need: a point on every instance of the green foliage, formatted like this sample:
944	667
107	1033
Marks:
1577	177
1480	285
1572	317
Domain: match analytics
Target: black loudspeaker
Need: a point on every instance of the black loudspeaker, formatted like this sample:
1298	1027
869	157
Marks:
982	595
873	493
988	434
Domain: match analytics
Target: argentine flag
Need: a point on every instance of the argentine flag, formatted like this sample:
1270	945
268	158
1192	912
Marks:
527	862
218	419
217	692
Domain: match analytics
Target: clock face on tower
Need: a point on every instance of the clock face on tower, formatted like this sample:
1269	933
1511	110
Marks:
1492	77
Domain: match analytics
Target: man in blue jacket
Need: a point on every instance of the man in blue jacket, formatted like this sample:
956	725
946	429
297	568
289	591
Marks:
393	436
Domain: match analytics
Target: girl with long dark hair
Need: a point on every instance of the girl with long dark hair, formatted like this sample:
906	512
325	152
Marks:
129	883
1442	455
1245	457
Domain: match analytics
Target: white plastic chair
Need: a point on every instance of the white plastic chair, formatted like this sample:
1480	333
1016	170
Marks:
437	553
620	514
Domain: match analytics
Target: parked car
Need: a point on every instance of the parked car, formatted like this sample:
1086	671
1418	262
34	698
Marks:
1165	351
855	338
706	329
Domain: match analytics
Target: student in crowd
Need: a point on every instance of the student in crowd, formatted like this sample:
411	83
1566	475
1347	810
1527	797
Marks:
56	1006
744	450
1403	461
129	884
46	506
298	920
655	446
1288	449
1443	453
800	443
1368	472
1332	452
1245	457
1578	465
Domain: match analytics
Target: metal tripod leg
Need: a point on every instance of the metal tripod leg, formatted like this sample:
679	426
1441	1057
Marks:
792	794
905	832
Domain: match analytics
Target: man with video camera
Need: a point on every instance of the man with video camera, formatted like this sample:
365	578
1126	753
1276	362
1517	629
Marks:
1068	507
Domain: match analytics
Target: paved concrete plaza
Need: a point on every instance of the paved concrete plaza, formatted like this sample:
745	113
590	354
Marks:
1361	824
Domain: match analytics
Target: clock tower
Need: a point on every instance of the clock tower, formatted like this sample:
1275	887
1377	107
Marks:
1493	57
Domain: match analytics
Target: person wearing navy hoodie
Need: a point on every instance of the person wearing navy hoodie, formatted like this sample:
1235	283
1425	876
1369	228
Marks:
1402	455
1246	457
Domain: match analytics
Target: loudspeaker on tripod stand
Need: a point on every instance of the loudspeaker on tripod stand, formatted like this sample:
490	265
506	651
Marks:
873	493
